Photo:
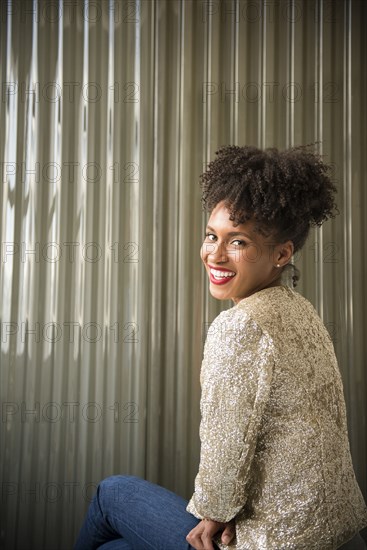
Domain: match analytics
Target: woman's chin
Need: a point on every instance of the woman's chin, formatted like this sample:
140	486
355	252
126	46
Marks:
218	293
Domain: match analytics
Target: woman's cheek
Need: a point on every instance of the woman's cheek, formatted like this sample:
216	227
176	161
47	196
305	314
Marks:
206	249
202	252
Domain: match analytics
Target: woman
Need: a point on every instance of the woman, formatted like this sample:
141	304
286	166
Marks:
275	467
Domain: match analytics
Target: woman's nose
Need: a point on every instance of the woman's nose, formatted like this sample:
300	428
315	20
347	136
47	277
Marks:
217	252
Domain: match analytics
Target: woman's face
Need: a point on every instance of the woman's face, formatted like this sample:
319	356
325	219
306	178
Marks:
238	260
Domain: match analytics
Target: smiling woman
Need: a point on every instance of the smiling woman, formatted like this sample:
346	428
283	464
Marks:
280	475
275	467
240	267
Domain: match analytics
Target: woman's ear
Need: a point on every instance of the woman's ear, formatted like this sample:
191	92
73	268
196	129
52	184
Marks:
285	253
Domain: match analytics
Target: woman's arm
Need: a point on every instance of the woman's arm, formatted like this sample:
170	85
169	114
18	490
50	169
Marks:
235	380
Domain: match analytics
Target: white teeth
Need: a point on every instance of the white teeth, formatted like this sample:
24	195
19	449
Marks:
221	274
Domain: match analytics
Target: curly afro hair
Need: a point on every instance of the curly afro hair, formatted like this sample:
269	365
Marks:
283	192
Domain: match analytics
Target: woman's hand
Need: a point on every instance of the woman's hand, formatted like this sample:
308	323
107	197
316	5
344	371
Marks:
201	536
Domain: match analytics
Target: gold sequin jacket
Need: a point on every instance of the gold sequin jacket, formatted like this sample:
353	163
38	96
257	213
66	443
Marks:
275	452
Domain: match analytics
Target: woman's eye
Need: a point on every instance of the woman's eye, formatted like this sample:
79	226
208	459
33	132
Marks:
208	235
240	243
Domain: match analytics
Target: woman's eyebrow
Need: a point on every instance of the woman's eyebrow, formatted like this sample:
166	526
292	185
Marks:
231	233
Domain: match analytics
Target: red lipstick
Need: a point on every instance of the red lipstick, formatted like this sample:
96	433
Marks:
221	281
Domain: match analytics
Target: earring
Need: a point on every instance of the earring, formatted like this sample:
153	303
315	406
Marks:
278	265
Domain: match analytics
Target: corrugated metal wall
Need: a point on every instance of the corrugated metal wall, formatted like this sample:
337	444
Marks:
110	110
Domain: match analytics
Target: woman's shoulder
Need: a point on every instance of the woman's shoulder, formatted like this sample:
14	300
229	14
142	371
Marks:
236	331
254	313
280	310
279	313
273	296
235	323
273	301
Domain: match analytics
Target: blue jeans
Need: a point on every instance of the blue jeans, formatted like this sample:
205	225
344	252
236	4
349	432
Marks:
130	513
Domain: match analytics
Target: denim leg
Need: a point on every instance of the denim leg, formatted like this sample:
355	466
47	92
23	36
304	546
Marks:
117	544
132	513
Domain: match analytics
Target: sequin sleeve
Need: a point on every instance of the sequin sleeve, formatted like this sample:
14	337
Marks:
235	380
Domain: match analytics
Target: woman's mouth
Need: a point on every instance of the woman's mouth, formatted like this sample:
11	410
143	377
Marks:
219	277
